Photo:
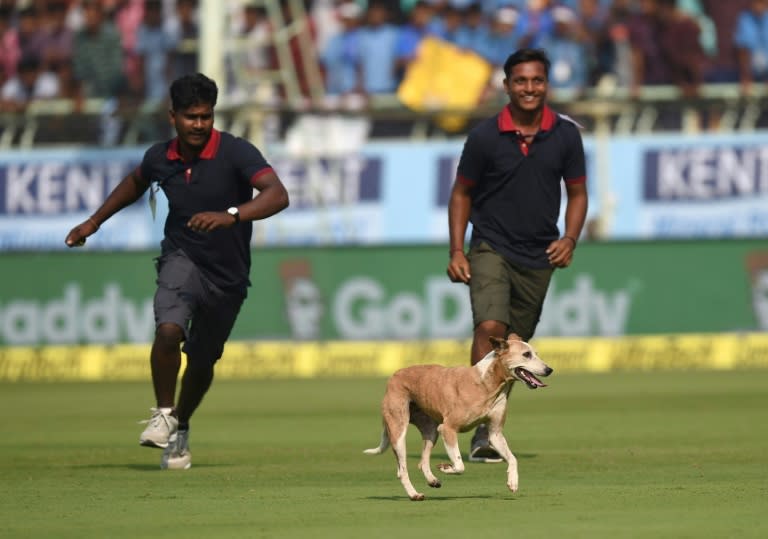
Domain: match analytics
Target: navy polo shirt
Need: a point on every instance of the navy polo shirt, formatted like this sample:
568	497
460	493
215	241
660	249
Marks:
221	177
516	187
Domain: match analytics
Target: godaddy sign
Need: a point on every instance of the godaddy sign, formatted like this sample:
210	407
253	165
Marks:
72	318
362	308
398	293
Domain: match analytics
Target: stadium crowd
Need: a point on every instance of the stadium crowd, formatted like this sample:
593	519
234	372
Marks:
131	49
625	42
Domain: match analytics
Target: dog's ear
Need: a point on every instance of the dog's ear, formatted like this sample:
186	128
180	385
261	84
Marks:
498	344
514	337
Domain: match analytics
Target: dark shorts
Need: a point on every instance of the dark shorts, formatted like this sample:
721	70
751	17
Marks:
186	298
506	292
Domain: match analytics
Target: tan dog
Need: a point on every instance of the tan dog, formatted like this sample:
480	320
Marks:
449	400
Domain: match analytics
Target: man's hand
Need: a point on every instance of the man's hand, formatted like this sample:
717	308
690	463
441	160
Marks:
76	236
208	221
458	268
561	252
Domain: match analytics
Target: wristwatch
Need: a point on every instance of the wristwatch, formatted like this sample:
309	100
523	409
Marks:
234	213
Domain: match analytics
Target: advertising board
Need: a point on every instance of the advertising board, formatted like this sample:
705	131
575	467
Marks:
645	188
393	293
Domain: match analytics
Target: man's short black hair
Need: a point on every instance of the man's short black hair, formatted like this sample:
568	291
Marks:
527	55
191	90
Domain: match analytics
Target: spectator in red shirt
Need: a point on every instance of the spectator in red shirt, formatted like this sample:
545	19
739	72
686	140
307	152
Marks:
682	49
665	48
724	13
57	36
30	33
9	45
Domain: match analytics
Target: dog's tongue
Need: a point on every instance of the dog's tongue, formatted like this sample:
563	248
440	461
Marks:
529	378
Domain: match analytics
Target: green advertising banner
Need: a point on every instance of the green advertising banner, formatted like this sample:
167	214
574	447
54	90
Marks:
393	293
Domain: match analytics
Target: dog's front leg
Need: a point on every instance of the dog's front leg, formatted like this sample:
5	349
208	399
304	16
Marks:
499	443
451	441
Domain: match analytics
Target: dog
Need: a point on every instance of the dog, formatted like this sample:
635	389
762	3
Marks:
449	400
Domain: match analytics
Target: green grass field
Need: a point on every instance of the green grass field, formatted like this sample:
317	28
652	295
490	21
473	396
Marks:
671	454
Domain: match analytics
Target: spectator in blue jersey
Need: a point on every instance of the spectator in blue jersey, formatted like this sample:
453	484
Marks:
567	51
502	36
451	27
378	43
491	6
154	47
536	23
474	28
340	58
751	39
509	180
410	35
209	178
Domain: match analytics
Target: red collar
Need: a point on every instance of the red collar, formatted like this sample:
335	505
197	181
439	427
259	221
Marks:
506	123
209	152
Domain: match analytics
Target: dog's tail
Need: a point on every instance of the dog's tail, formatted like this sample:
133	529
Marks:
383	445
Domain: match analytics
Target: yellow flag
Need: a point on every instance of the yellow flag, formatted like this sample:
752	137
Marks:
444	77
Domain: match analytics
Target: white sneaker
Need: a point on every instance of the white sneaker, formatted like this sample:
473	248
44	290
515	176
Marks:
159	430
177	456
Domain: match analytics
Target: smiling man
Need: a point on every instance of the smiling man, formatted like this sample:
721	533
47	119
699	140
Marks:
508	185
209	178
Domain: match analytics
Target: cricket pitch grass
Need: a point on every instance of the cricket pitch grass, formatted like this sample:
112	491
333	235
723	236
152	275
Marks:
620	455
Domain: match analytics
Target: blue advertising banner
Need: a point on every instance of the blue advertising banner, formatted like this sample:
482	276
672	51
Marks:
680	187
654	187
43	194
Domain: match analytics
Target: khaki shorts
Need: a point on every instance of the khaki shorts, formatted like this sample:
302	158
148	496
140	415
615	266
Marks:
506	292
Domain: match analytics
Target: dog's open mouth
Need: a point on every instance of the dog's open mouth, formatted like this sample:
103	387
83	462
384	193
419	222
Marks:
530	380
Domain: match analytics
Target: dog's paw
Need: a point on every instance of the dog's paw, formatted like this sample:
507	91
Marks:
435	484
418	497
512	486
447	467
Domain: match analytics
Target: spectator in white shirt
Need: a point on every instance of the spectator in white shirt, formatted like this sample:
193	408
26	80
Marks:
30	83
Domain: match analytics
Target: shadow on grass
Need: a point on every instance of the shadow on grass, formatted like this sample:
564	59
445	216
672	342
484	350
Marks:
140	467
428	498
443	456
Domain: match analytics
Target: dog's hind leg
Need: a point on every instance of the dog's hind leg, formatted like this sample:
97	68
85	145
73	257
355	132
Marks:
428	429
499	443
396	419
451	441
